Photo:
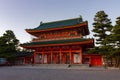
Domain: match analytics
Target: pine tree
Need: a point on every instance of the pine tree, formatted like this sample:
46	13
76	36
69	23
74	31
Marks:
102	31
116	33
102	28
8	44
116	41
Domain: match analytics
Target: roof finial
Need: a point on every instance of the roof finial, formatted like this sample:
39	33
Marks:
81	19
41	23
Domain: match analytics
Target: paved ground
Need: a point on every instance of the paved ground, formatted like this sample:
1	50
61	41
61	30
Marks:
34	73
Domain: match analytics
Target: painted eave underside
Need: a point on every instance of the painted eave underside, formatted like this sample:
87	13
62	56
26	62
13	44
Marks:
78	41
57	25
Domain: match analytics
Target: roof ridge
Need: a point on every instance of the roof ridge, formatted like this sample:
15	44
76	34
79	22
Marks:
59	23
60	20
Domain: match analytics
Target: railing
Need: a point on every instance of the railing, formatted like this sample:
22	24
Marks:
49	39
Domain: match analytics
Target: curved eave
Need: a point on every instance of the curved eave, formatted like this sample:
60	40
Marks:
84	24
89	43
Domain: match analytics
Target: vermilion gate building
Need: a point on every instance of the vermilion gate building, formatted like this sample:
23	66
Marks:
62	42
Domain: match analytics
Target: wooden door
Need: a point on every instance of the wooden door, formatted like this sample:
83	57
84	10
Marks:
96	61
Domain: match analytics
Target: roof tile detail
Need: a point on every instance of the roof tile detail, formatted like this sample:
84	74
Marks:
57	24
67	41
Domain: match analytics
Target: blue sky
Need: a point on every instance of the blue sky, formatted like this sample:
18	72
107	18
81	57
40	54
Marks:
18	15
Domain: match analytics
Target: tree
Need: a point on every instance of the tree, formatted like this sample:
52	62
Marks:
116	33
8	44
102	28
116	40
102	31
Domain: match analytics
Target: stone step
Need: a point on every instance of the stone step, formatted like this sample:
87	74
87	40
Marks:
51	65
61	65
78	65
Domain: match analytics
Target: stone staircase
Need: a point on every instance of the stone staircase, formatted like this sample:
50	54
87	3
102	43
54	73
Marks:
52	66
61	66
78	66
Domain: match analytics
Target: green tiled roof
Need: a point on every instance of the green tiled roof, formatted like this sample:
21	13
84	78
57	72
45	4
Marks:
55	42
24	53
57	24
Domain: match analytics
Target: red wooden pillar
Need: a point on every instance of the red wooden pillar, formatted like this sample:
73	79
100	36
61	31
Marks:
55	58
34	57
60	55
51	56
64	58
80	54
42	56
70	52
24	60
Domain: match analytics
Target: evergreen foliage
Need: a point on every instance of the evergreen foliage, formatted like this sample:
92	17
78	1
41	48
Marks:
8	44
107	38
102	31
102	28
116	33
116	41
